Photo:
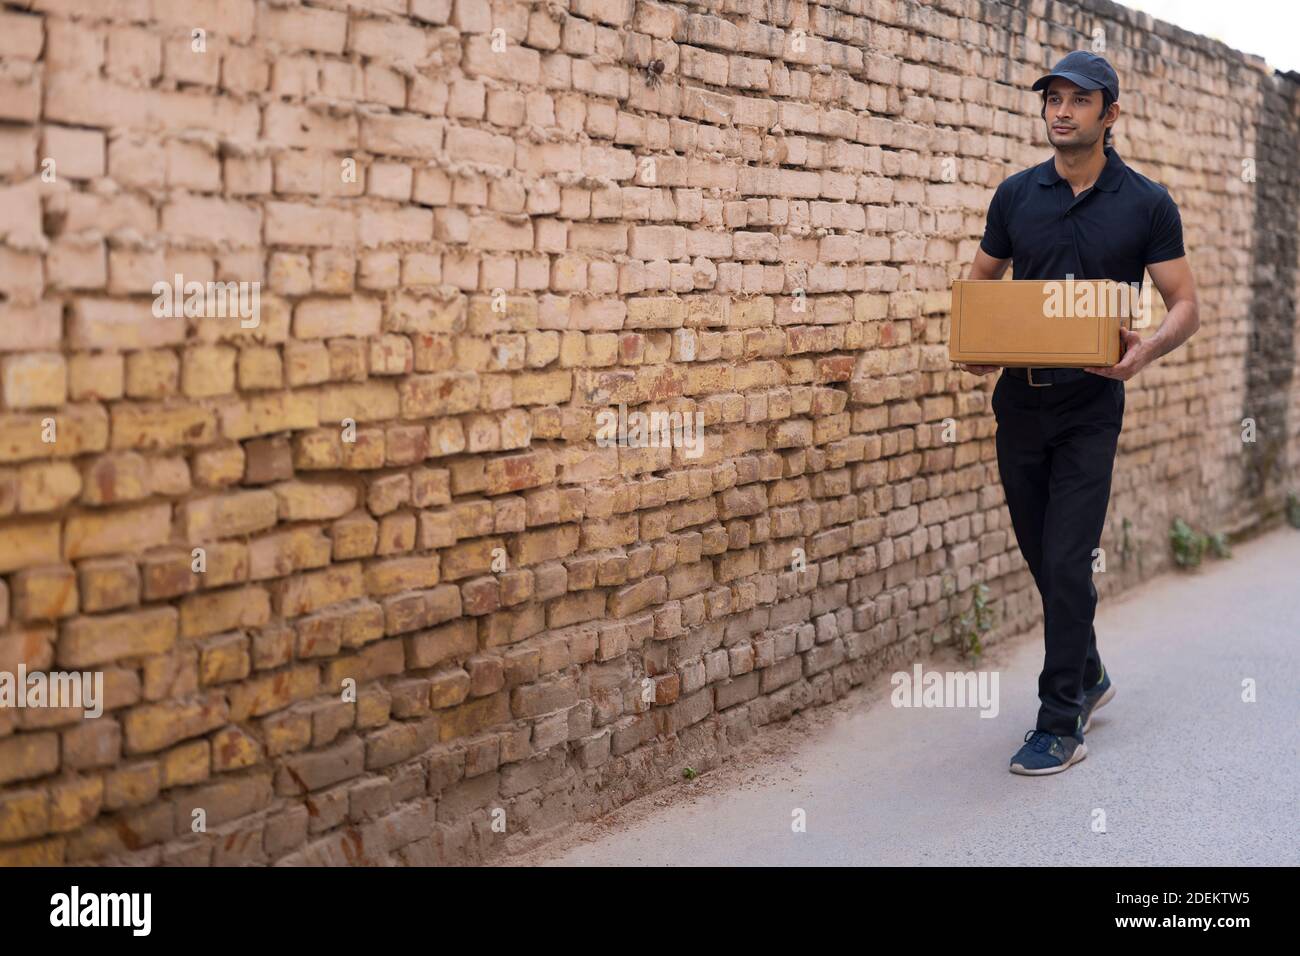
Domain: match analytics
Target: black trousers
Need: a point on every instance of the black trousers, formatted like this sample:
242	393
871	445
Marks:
1056	450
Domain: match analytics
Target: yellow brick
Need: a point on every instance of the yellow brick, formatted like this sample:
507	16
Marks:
152	374
371	402
116	532
208	370
442	393
169	477
38	853
318	450
167	573
474	717
306	363
153	727
305	593
233	748
260	368
653	312
355	536
74	803
315	500
538	546
154	427
287	732
542	388
273	692
28	542
105	638
517	472
401	574
132	785
44	594
227	563
47	486
241	512
218	467
71	430
26	756
112	479
34	380
223	658
276	555
24	814
108	584
203	614
748	313
96	377
186	764
266	414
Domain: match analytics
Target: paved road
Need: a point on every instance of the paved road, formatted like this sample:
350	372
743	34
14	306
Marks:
1185	771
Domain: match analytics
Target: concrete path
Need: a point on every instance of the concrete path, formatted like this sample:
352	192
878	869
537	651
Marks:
1184	770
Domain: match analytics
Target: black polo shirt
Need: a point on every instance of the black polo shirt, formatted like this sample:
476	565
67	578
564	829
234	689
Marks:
1111	230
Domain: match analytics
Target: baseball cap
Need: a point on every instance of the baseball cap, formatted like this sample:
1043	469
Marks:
1083	69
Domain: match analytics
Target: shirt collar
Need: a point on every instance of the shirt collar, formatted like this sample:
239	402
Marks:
1111	174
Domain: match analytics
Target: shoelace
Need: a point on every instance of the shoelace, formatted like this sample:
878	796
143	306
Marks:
1039	740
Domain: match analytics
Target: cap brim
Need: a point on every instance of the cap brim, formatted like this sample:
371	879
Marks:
1078	79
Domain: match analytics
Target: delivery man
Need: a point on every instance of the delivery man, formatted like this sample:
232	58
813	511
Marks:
1082	213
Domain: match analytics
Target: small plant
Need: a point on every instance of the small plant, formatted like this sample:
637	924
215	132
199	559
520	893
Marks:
1293	509
1127	546
975	623
1189	546
690	773
1219	545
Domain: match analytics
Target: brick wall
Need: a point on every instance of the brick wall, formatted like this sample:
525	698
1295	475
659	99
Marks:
475	226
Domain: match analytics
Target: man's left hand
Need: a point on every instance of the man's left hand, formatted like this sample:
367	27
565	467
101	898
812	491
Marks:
1137	356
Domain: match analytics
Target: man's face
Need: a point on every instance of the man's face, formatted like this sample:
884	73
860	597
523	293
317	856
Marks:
1073	116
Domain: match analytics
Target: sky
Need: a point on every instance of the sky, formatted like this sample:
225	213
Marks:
1267	28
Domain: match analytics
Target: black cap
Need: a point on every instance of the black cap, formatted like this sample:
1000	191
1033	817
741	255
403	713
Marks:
1084	69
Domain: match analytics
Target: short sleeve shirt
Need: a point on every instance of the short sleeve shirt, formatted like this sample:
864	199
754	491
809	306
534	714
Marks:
1112	230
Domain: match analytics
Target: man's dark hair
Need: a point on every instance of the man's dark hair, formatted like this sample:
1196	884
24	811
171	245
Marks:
1106	100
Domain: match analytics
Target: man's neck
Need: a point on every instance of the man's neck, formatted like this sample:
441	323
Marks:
1081	167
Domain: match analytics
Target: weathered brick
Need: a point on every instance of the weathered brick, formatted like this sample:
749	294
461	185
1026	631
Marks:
315	500
226	515
151	727
108	583
27	756
24	543
87	641
202	614
44	593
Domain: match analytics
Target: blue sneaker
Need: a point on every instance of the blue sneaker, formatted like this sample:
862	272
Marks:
1047	753
1097	696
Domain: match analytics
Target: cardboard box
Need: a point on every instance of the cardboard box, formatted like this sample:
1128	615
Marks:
1067	323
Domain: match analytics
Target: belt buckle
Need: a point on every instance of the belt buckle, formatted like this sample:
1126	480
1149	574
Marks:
1029	373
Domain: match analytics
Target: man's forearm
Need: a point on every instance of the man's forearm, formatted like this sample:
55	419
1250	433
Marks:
1179	325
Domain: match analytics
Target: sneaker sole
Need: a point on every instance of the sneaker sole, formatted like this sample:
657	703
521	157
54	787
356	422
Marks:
1105	699
1080	752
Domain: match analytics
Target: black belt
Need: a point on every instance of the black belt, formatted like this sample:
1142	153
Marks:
1046	376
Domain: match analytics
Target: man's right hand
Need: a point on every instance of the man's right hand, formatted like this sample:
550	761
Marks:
978	369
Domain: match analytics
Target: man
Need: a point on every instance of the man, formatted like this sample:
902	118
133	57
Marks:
1082	213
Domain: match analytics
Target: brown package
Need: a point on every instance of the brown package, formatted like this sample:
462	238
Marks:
1066	323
